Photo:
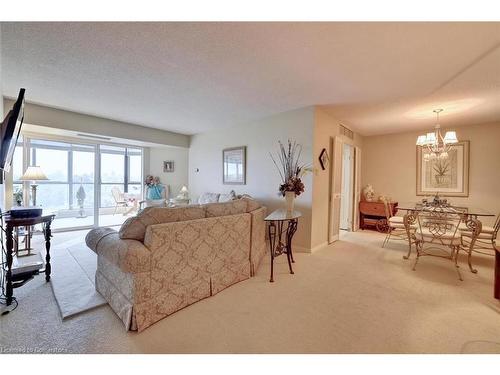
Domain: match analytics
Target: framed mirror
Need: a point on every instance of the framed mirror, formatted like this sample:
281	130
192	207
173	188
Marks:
234	166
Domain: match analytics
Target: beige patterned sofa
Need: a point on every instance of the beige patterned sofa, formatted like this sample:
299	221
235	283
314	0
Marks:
165	259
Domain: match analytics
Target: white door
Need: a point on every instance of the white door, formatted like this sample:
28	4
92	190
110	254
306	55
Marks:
347	196
357	187
335	189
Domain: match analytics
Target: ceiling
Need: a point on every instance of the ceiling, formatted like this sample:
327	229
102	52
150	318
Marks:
194	77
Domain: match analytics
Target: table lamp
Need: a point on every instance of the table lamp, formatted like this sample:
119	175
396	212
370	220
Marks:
33	173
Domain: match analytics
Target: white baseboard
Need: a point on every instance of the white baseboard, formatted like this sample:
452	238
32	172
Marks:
302	249
319	247
335	238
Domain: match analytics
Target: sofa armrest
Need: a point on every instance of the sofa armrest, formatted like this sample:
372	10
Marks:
93	237
130	256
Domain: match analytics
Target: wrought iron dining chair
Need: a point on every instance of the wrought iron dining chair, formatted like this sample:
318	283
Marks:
438	234
395	228
486	240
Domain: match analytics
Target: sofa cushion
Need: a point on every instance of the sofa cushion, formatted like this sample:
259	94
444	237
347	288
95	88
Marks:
135	227
227	208
208	198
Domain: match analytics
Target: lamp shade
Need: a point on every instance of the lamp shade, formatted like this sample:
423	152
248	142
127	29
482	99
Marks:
450	137
184	189
431	138
33	173
421	140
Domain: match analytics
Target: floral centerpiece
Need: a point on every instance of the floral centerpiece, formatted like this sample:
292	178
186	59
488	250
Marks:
287	161
154	187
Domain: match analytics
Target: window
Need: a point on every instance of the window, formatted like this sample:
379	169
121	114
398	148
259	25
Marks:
121	168
70	168
52	157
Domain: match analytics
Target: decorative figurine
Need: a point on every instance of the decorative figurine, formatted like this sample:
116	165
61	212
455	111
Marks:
369	193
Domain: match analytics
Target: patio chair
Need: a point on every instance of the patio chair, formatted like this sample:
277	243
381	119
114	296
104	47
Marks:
119	198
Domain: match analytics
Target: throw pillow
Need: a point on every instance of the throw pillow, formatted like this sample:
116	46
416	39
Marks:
227	197
208	198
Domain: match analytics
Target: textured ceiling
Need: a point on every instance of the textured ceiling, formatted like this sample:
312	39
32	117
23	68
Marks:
194	77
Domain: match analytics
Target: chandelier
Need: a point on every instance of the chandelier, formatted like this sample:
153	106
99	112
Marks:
435	145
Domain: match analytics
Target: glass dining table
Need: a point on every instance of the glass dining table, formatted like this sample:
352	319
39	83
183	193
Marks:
469	213
474	212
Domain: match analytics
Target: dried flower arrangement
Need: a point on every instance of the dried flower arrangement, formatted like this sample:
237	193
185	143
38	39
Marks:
288	164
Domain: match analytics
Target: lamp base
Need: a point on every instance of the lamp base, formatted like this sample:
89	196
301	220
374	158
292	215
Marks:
33	194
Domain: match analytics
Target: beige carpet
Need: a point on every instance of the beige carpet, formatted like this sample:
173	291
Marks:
351	297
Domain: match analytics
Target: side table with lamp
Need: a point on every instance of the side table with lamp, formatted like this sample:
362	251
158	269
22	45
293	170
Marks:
32	174
182	199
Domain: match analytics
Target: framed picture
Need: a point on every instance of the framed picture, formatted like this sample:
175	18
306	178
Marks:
168	166
323	159
234	166
449	177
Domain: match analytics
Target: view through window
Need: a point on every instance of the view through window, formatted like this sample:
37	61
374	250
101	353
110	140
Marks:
70	189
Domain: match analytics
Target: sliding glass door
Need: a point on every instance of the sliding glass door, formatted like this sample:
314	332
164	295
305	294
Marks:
120	183
88	184
69	190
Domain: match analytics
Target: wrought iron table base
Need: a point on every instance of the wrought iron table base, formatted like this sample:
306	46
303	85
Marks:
280	241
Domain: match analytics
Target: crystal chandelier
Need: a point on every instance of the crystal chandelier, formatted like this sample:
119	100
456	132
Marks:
435	144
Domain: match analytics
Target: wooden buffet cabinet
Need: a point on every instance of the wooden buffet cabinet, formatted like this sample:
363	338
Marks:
371	213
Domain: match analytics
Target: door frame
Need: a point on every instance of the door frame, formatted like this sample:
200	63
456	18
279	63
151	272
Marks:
351	195
336	147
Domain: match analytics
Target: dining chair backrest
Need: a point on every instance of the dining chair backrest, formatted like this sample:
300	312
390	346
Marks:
387	208
440	222
496	227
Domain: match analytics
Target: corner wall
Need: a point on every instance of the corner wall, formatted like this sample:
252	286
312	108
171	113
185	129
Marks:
262	179
389	164
325	127
176	179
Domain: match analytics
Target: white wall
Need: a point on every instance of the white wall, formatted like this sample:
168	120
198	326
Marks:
389	164
325	127
262	179
154	166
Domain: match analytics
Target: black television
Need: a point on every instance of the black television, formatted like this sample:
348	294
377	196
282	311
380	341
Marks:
11	127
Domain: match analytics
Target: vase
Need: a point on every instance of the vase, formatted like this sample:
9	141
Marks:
289	201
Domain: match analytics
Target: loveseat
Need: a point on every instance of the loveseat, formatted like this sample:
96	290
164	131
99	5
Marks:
165	259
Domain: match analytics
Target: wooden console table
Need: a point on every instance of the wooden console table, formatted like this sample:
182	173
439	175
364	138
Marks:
370	213
282	226
10	224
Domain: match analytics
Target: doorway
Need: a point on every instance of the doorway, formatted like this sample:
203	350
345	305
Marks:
347	192
345	176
